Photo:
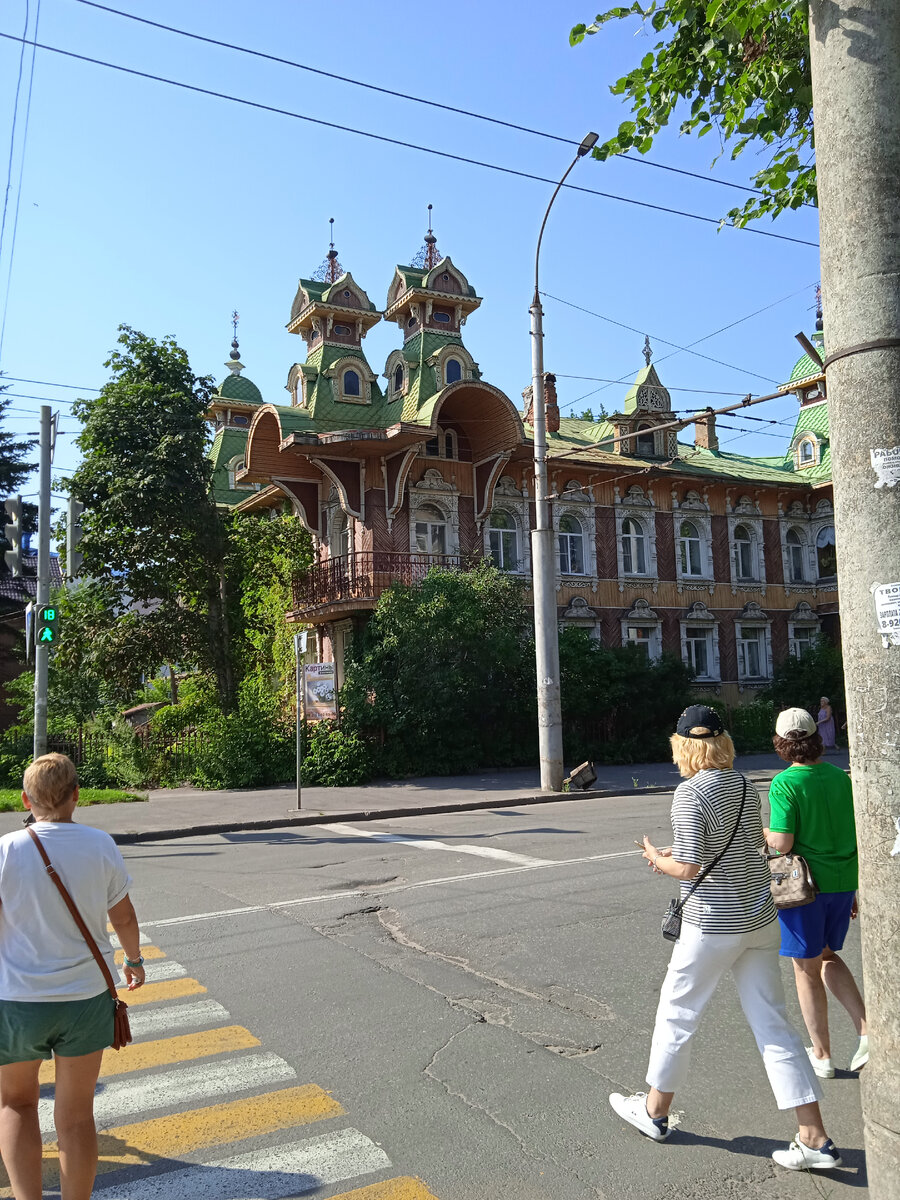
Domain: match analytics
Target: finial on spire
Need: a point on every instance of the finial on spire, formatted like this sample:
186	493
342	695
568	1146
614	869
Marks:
235	353
819	322
429	256
331	269
647	351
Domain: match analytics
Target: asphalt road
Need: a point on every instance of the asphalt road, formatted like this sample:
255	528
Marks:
443	1004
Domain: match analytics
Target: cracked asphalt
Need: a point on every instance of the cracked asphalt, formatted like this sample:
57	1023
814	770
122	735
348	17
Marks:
474	1000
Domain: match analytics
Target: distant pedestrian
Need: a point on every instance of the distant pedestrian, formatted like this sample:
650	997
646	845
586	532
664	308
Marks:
825	724
52	995
812	815
729	924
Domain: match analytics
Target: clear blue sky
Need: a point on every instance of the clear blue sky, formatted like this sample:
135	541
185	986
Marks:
146	204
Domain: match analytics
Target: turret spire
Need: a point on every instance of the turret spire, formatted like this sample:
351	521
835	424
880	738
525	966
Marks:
234	364
819	322
330	269
429	256
647	351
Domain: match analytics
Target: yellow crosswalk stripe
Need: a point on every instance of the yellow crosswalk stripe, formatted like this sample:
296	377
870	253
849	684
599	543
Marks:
405	1188
170	989
141	1055
147	952
198	1129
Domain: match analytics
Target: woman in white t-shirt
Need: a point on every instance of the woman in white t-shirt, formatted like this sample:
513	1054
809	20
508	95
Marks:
53	998
728	924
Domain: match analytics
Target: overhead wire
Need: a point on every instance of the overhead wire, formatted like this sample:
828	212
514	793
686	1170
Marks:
385	91
380	137
12	135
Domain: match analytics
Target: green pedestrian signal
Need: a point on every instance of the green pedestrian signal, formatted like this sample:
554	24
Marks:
47	624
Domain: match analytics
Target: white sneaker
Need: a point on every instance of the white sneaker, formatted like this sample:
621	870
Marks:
823	1067
861	1057
798	1157
633	1109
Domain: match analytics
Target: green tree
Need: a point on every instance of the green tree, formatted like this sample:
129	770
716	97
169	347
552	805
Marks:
743	68
14	453
801	682
152	535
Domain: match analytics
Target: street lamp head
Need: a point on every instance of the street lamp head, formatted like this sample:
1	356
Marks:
588	144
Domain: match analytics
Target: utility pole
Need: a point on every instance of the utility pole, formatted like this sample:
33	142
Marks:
855	57
42	649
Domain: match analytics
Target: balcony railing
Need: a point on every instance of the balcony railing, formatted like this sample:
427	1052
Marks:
365	575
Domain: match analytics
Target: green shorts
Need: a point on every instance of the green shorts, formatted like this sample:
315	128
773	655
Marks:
69	1028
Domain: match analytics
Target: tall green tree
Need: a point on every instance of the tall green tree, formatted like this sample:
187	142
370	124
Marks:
742	67
153	539
15	452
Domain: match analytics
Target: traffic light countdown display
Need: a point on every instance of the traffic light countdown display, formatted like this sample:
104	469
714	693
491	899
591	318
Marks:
47	625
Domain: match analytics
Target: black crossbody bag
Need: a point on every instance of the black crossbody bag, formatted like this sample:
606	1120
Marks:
671	922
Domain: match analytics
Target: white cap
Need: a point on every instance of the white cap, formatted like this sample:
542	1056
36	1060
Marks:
796	722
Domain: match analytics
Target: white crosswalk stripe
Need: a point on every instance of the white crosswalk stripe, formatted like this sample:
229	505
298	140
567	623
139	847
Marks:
165	968
271	1174
169	1019
204	1083
431	844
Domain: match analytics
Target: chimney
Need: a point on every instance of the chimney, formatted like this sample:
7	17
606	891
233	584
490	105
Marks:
705	435
551	406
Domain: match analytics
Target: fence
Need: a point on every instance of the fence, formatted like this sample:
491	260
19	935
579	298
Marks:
366	574
163	756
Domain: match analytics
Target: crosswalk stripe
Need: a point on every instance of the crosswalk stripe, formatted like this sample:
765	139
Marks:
431	844
141	1055
182	1087
159	972
404	1188
270	1174
186	1133
169	1017
117	945
170	990
147	952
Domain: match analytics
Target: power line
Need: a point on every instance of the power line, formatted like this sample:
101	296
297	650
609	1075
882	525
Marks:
12	248
373	87
12	135
603	379
47	383
380	137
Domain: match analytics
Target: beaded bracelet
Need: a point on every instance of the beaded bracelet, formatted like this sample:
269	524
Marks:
139	962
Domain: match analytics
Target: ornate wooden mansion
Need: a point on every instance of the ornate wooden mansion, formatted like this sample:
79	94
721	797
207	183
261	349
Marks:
725	559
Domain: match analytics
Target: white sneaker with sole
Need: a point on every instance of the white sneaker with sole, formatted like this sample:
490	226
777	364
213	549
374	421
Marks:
798	1157
633	1109
861	1057
823	1067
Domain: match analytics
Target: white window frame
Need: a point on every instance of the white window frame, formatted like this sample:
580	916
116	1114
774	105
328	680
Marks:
753	618
698	617
637	547
432	489
746	513
508	498
638	507
642	617
565	538
801	546
514	531
820	578
336	373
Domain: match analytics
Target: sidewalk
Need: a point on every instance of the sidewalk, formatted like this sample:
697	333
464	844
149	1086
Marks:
182	812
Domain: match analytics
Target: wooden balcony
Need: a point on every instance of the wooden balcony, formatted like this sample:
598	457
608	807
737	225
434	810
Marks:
352	580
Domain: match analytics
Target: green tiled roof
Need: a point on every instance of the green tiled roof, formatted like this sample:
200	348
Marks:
227	444
239	387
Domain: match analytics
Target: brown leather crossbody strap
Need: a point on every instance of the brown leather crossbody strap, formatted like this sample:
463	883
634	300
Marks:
76	915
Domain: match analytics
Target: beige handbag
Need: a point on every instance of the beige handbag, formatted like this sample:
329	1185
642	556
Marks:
792	882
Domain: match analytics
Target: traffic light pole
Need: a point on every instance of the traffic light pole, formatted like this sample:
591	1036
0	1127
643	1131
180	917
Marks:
42	650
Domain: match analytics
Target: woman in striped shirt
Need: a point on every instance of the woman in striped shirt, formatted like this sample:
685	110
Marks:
729	924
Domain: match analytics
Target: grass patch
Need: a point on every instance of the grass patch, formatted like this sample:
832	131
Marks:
11	798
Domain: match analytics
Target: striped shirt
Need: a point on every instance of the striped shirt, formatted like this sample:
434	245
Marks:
735	896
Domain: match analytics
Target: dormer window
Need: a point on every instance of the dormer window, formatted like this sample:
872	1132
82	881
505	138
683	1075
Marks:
806	453
645	442
398	378
453	372
350	384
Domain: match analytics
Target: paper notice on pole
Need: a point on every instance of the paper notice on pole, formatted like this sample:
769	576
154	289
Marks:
886	464
887	612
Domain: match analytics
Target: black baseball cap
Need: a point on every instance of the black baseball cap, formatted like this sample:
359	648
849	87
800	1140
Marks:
698	721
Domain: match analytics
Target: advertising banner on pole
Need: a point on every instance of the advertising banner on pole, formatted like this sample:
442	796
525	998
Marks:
319	692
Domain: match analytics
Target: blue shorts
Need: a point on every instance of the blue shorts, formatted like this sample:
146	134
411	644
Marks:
810	929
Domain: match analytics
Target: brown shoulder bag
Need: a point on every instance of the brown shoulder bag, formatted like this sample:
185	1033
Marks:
121	1026
792	882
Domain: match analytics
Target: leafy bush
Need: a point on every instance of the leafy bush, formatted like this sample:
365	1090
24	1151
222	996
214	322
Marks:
334	757
801	682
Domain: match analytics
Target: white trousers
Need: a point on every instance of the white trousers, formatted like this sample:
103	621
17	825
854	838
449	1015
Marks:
698	962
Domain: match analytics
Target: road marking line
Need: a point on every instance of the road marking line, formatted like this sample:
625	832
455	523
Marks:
147	952
150	993
202	1128
431	844
169	1017
157	972
183	1087
404	1188
271	1174
139	1056
117	945
356	893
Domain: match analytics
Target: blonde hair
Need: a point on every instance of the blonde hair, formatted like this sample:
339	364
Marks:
49	782
692	755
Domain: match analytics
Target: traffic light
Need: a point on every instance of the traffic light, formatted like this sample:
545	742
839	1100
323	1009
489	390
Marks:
12	531
74	558
47	632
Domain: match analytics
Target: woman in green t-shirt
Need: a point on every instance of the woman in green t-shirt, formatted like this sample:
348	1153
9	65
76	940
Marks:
811	807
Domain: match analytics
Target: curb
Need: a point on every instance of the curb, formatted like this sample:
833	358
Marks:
381	814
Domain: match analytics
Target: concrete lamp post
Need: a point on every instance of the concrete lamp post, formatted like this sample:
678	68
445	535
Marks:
543	549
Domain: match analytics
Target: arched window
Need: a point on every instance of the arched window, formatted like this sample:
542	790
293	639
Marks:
571	546
398	378
826	555
450	444
645	442
796	570
431	530
807	452
743	553
453	372
691	549
350	384
634	547
504	541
